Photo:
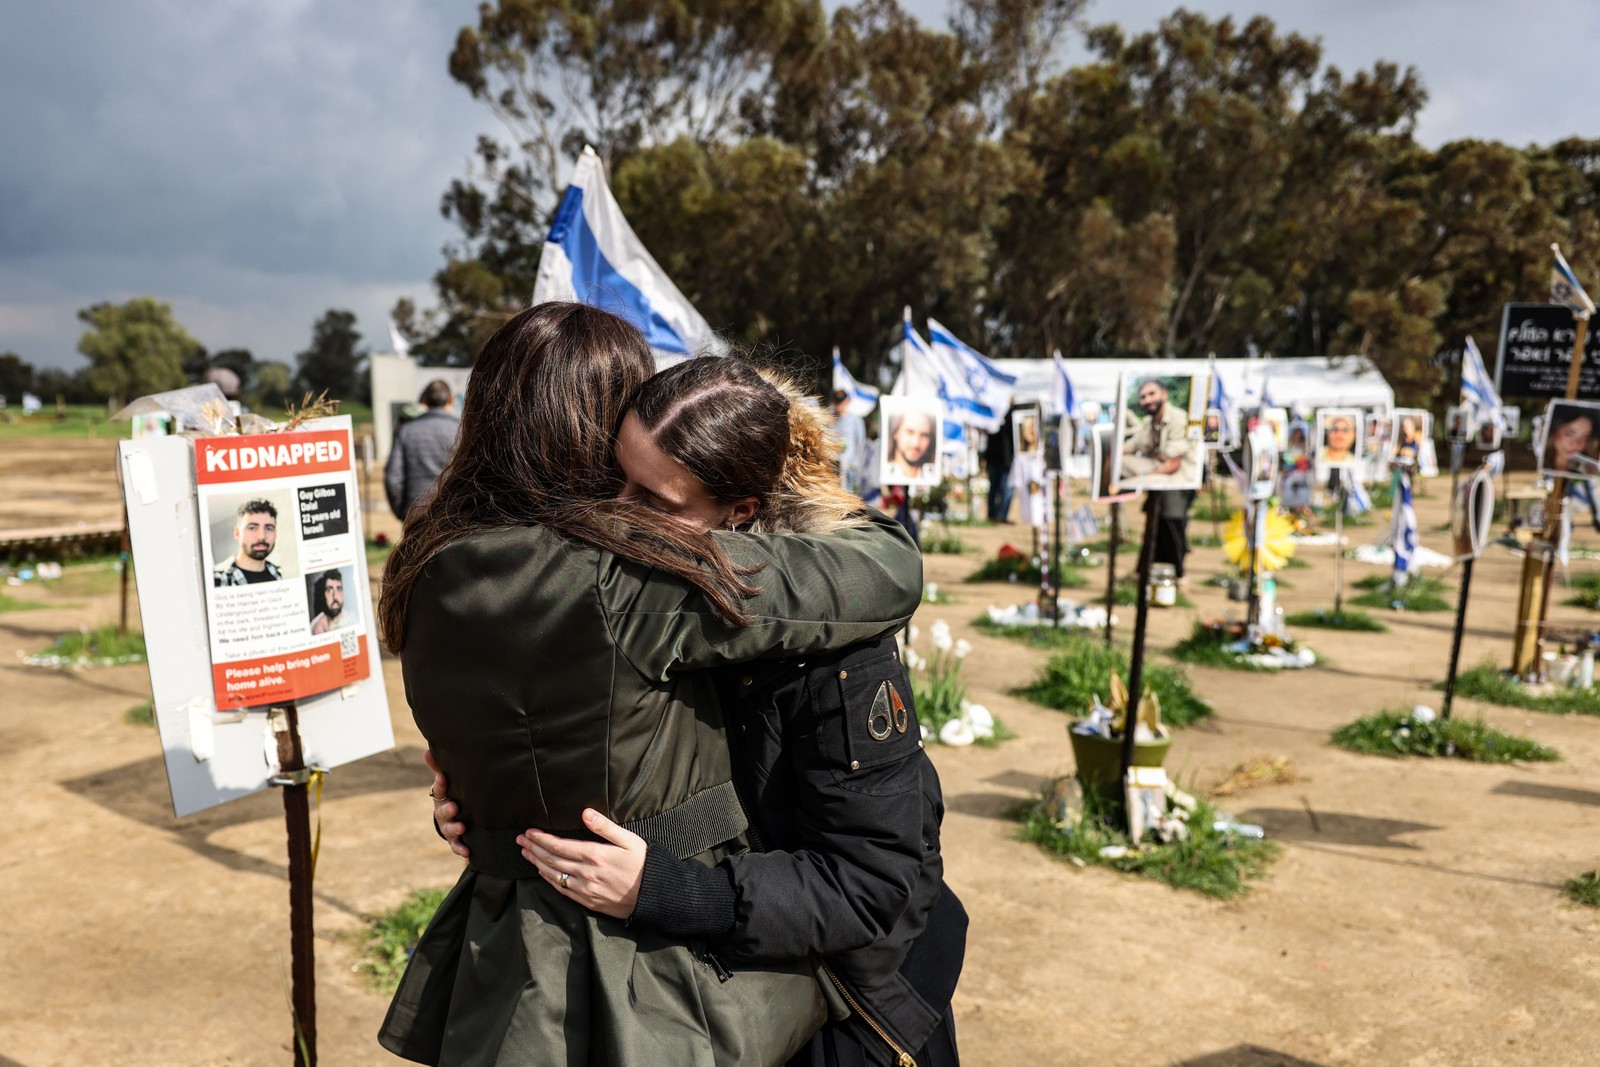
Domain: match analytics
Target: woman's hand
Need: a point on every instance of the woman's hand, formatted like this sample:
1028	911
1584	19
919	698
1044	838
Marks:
444	809
601	876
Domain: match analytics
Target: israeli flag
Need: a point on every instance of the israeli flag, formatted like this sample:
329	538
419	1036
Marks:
401	346
1404	537
972	385
1063	397
1223	402
592	256
1356	500
1564	287
863	398
1478	394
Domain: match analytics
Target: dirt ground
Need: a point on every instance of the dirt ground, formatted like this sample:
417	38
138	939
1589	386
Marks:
1415	916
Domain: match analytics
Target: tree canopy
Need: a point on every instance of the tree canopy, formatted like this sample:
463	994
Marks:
134	348
1209	186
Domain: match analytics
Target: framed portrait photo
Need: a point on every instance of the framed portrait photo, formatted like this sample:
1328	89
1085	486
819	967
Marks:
1456	429
1261	463
1409	437
909	452
1102	490
1570	446
1158	431
1338	441
1027	429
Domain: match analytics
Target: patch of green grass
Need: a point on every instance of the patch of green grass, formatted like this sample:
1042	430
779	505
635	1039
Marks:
1203	648
1584	889
94	577
1021	569
1048	637
377	555
1205	541
1422	593
1082	669
943	543
1586	592
1327	619
956	520
388	944
141	714
11	603
935	595
1205	510
1295	563
93	648
1393	734
1488	683
1215	864
82	420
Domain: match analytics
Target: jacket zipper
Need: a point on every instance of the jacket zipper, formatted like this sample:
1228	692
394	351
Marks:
903	1058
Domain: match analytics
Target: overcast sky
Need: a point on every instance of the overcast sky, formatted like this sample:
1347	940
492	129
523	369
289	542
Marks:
256	163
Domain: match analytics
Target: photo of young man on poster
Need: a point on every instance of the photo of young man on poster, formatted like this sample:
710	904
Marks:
255	539
1160	446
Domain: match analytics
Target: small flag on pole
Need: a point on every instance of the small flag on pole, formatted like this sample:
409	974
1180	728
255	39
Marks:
593	256
977	391
863	398
1405	532
1564	287
1063	397
397	341
1478	394
1357	502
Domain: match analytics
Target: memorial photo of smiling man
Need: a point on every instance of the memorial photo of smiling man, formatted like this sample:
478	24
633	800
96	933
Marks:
256	534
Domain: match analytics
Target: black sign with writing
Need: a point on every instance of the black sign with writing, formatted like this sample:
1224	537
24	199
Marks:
324	511
1536	353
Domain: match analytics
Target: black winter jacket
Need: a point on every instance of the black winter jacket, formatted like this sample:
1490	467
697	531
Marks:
828	758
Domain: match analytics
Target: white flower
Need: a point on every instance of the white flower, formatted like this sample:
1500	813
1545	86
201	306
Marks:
956	733
927	734
913	661
931	590
963	648
939	634
979	719
911	634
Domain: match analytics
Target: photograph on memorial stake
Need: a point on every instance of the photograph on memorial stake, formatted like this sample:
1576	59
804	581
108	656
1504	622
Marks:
280	537
1570	446
1338	441
1159	431
909	452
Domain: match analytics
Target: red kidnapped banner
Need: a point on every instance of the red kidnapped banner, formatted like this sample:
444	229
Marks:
249	683
270	455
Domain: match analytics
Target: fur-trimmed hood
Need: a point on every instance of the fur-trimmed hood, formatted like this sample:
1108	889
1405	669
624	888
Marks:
809	498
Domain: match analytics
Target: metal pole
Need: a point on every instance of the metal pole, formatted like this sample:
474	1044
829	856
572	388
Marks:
1111	565
1455	644
1457	450
1253	533
1338	544
302	946
1147	553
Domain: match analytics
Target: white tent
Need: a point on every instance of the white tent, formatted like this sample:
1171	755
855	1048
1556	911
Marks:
1309	382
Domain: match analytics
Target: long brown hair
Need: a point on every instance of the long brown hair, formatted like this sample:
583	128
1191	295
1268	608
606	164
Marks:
537	447
748	431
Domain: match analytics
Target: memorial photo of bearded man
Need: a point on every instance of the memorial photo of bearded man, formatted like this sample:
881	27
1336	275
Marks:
1157	449
327	602
256	533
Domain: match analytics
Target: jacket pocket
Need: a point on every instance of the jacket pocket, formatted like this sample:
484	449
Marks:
867	729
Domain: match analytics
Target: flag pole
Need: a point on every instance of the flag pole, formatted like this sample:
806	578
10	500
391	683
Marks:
1111	565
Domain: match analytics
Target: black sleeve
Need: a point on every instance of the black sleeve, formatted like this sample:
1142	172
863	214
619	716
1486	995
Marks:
854	748
683	898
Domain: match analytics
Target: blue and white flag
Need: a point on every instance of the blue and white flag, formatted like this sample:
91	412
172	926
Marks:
1478	395
1404	538
971	384
863	398
1223	401
592	256
1266	392
1356	501
1564	287
1063	397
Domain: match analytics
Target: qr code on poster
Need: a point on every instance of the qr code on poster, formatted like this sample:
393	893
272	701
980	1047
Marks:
349	644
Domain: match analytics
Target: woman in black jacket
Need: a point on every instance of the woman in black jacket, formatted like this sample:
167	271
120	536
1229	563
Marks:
827	755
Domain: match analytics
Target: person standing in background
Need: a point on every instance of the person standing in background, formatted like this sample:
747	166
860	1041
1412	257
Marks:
1171	516
997	454
852	433
421	449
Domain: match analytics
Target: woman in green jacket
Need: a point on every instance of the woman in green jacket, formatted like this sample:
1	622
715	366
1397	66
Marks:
551	638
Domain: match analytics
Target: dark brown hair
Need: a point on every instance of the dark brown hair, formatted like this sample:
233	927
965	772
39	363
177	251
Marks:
724	422
537	447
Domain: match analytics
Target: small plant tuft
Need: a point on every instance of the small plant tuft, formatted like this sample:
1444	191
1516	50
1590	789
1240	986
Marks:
1422	593
394	934
1212	862
1396	734
1586	592
103	647
1204	648
141	714
1072	678
1488	683
1327	619
1584	889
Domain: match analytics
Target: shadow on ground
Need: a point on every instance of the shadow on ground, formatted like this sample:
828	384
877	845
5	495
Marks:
1247	1056
1333	827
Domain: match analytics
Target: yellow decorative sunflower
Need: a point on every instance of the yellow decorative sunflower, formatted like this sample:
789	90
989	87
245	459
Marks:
1276	547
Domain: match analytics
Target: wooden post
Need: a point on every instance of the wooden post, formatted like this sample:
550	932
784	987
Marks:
1531	607
1147	553
1253	531
1111	565
297	820
1055	577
